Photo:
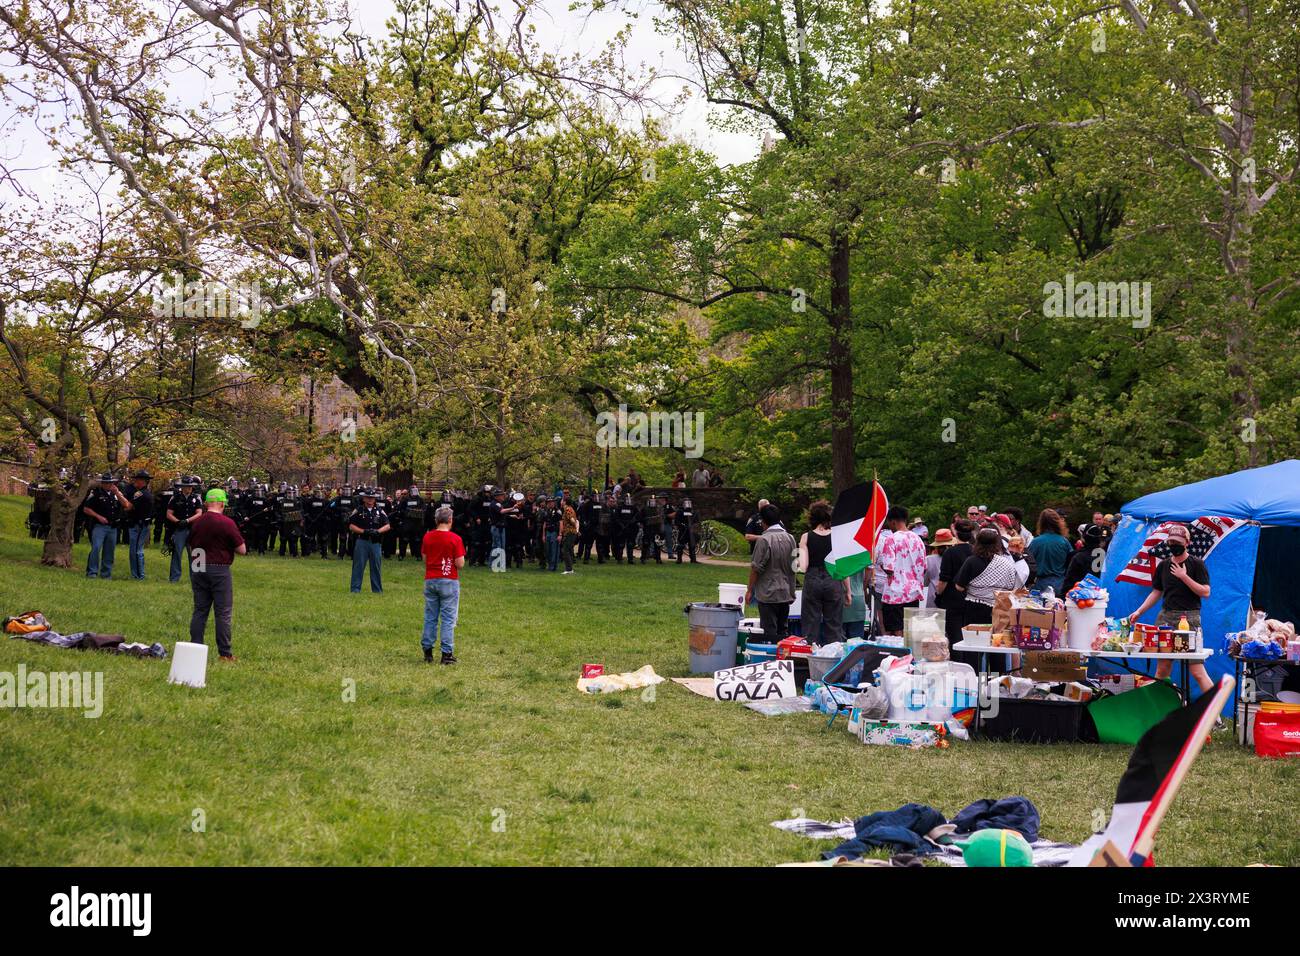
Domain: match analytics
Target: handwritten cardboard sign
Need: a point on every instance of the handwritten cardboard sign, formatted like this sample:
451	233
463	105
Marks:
1053	666
770	680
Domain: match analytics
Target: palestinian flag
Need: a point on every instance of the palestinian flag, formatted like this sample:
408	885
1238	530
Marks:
1159	763
855	524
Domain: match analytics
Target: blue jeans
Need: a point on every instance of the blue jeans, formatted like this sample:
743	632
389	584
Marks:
668	540
552	550
138	536
103	538
363	552
179	537
441	605
498	542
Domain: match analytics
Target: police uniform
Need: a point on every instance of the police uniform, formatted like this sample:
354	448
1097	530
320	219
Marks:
626	519
161	502
289	512
103	529
368	545
516	533
652	529
412	526
316	523
587	513
259	519
684	519
481	526
183	506
341	509
38	520
137	519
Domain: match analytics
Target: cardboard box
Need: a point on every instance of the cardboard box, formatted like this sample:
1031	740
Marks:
1052	667
1039	630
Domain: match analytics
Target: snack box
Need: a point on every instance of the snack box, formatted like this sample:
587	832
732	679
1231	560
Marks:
1038	629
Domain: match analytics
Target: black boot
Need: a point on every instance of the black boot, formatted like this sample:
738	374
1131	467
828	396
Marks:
428	655
448	658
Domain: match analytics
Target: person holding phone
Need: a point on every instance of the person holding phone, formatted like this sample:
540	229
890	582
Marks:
1183	582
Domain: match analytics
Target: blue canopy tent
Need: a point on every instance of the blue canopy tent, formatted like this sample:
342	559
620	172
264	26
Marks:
1234	519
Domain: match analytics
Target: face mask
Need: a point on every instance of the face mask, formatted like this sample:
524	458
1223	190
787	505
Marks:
1176	548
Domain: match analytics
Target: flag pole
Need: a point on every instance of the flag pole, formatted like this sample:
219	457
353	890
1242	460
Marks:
1142	847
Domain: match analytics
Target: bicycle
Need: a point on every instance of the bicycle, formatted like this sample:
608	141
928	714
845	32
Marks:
713	542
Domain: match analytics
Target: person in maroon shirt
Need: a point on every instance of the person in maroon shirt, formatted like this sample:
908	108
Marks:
444	556
214	542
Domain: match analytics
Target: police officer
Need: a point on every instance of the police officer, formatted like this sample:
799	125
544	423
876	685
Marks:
412	523
626	520
589	511
38	520
341	509
498	508
259	518
550	519
388	502
481	526
102	508
138	515
315	522
516	530
652	528
184	509
161	502
369	524
273	528
604	526
685	521
289	512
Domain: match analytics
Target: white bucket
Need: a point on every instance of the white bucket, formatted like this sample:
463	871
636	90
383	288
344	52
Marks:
731	594
1082	623
189	664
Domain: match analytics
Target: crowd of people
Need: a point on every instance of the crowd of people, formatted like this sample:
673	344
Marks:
959	568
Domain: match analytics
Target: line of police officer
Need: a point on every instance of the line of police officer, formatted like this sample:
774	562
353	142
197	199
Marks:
507	529
498	527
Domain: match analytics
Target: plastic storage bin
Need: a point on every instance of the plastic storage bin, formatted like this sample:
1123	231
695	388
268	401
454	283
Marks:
1039	721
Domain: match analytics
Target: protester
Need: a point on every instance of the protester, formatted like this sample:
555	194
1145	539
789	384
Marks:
901	559
945	595
569	534
214	540
444	556
943	539
987	571
855	613
1087	559
1017	516
1023	560
1051	550
1182	582
772	581
824	598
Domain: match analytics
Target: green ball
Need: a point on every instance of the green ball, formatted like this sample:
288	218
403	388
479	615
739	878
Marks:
997	848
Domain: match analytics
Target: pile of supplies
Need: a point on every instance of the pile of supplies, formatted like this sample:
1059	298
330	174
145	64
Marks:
1028	620
904	701
1267	639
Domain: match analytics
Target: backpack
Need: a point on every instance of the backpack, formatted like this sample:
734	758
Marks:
27	622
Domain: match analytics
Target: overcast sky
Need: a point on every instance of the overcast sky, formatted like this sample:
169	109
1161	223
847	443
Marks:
23	147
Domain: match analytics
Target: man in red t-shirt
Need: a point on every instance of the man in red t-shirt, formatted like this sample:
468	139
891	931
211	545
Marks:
444	555
214	541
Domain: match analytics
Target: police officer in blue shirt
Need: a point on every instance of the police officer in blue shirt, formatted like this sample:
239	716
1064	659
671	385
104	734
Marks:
369	523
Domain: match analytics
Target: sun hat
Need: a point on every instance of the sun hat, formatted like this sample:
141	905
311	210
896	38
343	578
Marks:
943	538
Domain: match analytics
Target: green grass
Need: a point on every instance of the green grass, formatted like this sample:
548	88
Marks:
419	767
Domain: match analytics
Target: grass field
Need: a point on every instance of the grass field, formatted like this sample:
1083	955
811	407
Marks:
427	759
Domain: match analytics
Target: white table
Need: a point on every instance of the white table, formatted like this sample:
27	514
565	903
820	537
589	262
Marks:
1121	657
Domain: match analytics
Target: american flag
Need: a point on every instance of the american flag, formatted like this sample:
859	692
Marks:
1206	533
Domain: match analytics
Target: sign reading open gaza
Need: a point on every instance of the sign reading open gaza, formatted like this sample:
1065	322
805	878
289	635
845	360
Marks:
771	680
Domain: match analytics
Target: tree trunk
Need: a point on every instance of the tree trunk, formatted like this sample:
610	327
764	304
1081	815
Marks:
58	546
841	366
